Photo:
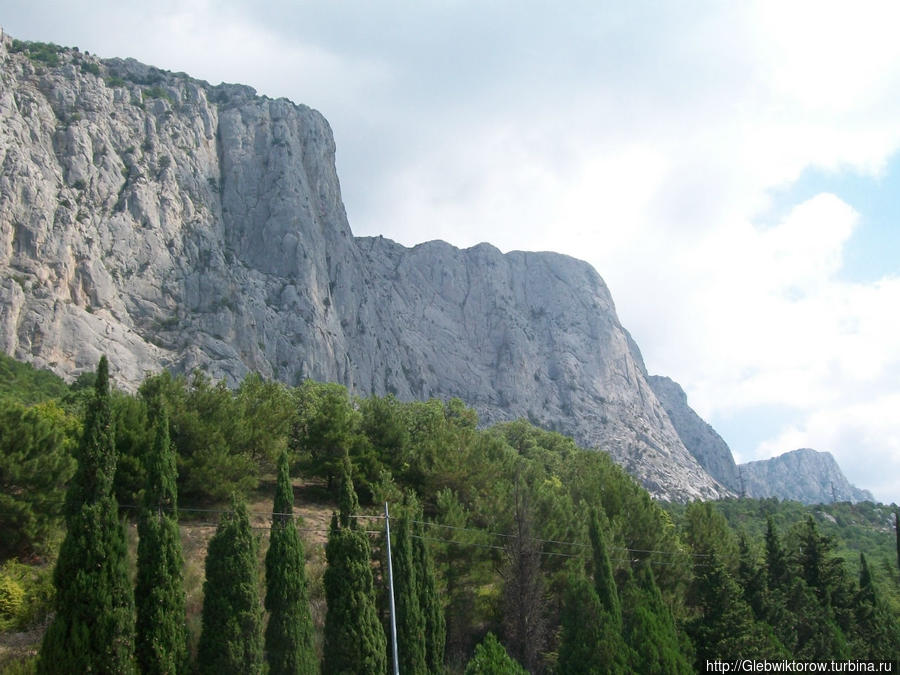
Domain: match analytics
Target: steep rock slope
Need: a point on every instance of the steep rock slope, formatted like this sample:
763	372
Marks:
170	223
700	439
803	475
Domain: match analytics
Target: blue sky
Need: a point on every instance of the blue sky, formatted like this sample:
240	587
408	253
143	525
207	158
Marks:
730	169
873	251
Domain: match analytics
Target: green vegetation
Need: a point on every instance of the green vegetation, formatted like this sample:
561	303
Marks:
231	641
354	638
289	633
161	640
510	531
46	53
93	630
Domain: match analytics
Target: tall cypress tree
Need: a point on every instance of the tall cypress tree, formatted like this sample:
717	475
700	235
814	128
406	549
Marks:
289	634
650	628
93	630
410	620
231	637
161	639
354	637
604	583
590	642
435	627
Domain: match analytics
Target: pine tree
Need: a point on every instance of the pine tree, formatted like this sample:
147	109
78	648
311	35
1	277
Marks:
161	635
435	628
410	620
354	637
93	630
231	636
490	658
289	633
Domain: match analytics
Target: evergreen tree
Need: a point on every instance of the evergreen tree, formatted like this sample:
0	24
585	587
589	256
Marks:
590	642
524	623
653	640
93	630
231	635
723	626
776	559
354	637
289	633
490	658
751	578
604	582
878	632
161	636
433	613
410	619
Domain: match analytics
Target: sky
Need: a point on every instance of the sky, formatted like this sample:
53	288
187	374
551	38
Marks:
732	170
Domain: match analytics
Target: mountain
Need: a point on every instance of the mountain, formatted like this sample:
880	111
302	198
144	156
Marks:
803	475
170	223
700	439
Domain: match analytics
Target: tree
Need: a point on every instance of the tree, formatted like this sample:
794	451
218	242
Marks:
524	623
604	583
429	601
93	630
34	467
590	642
231	635
878	632
410	620
653	640
490	658
161	639
289	633
354	637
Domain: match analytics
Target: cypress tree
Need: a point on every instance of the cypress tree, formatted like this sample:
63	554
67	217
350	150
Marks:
590	643
354	637
650	629
410	620
435	628
93	630
231	635
604	583
289	633
161	639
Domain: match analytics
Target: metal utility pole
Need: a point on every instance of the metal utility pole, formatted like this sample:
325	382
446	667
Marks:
387	532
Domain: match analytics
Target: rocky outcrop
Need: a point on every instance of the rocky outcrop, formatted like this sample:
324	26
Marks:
170	223
700	439
802	475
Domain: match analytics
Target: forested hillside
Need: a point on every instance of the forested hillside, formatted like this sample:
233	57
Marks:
508	543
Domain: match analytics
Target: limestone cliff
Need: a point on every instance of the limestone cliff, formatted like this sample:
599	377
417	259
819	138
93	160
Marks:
700	439
802	475
170	223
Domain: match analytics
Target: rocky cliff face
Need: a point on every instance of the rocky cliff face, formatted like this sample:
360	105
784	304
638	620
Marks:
170	223
803	475
700	439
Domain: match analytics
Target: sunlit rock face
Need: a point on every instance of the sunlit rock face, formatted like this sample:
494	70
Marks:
169	223
803	475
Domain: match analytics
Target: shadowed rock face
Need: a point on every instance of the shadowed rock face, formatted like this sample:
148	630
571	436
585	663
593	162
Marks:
803	475
700	439
170	223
